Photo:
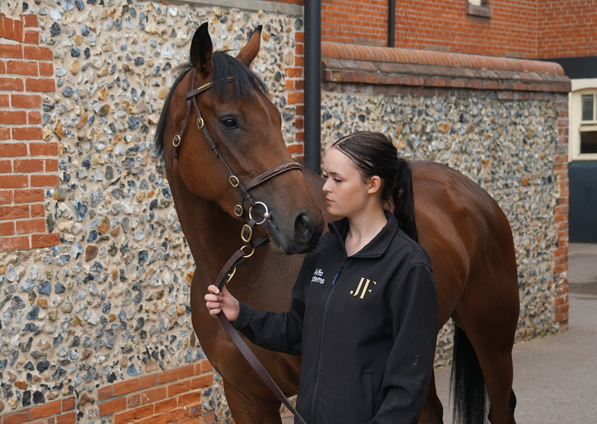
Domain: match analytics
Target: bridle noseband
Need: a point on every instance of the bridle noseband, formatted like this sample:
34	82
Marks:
227	272
233	180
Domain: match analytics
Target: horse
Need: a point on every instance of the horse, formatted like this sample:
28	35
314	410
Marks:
465	233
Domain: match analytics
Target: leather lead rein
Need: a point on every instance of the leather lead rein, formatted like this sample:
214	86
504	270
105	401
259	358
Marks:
227	272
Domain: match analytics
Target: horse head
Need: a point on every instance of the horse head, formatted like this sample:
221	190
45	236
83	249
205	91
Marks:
233	109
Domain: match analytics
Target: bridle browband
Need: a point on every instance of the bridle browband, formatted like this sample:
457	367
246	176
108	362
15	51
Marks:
227	272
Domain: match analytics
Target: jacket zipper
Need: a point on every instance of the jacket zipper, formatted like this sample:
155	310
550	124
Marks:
338	272
321	339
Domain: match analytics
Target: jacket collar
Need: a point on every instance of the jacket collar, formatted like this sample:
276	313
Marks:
376	247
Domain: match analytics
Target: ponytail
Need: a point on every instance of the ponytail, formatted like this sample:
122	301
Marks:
404	202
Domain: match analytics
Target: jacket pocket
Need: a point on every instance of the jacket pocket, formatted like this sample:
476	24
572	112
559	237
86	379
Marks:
367	385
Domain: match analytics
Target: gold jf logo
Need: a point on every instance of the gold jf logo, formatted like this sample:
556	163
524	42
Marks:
365	286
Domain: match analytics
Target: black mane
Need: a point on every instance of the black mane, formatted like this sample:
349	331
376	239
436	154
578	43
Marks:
244	81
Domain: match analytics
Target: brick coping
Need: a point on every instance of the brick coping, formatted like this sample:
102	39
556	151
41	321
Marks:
424	57
345	63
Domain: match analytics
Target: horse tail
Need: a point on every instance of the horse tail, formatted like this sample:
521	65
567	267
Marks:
467	382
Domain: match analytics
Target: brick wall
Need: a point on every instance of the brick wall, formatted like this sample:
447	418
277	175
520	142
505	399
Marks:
560	167
173	396
54	412
361	22
27	163
295	84
566	28
437	25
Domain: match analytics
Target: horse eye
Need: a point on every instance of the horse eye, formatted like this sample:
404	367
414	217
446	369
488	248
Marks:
229	124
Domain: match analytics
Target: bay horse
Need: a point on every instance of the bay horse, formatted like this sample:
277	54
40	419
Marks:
465	233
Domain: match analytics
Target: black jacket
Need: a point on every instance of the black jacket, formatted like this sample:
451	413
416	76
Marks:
365	325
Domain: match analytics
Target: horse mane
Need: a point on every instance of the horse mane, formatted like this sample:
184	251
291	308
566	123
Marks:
243	81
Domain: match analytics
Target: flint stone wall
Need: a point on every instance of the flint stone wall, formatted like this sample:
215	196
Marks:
110	302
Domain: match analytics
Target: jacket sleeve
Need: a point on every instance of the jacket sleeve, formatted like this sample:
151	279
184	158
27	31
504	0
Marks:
414	312
280	332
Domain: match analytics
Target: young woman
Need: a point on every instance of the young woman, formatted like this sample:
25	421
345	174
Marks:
364	307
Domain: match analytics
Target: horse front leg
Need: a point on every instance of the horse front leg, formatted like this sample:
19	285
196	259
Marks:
251	410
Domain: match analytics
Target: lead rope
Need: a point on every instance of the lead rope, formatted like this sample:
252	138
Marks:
225	275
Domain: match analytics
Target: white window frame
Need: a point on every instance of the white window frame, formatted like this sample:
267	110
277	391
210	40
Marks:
580	87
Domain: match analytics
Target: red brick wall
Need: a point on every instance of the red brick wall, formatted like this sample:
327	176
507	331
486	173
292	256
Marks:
295	84
55	412
173	396
566	28
347	21
28	165
560	167
441	24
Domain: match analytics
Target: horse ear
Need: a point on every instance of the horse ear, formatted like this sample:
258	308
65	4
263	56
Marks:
202	49
248	53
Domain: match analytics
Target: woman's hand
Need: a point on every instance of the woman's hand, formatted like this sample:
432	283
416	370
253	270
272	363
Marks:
217	301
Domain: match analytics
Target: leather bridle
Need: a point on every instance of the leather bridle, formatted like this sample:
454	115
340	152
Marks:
240	255
232	178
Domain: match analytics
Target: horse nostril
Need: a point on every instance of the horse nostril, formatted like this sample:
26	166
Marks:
303	228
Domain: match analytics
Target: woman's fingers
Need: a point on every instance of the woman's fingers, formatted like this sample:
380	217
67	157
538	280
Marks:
213	298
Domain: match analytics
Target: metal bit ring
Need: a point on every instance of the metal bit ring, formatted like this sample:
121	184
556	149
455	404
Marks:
266	214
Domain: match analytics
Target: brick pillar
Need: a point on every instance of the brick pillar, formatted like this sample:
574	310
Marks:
28	165
560	167
295	85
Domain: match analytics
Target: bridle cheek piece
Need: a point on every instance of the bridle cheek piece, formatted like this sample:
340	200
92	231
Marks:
229	269
232	178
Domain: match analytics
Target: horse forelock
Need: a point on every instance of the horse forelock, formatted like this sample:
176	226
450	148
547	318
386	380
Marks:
159	132
243	81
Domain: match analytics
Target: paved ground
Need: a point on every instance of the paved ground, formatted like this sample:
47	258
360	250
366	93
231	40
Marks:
555	378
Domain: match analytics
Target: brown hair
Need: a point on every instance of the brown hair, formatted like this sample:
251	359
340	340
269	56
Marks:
374	154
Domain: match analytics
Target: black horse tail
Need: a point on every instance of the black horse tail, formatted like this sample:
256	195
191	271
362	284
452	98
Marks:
468	385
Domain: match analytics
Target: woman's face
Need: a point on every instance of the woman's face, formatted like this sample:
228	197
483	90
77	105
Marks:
345	191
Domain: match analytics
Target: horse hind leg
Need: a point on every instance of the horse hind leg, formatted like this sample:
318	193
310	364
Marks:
492	341
246	410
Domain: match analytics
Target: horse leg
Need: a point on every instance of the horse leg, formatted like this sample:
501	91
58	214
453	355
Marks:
498	373
433	411
492	340
246	410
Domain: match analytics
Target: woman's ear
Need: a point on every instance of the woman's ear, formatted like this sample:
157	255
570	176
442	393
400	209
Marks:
374	185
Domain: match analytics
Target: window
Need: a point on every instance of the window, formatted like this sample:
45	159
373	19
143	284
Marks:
588	124
478	8
583	120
